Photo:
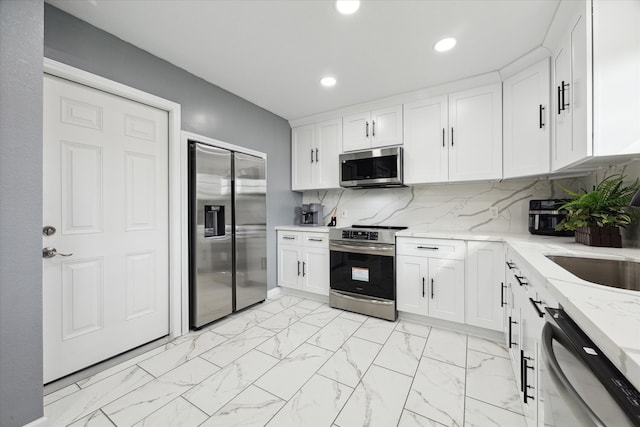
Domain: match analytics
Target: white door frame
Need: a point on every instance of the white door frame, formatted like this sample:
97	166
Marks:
178	258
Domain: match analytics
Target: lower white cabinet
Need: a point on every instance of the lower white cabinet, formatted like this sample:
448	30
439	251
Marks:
303	261
485	283
429	282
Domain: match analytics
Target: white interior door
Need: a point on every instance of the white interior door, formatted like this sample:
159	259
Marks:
105	164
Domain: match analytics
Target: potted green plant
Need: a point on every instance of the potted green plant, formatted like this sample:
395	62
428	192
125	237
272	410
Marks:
596	216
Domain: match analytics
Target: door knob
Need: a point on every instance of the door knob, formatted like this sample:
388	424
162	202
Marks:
50	252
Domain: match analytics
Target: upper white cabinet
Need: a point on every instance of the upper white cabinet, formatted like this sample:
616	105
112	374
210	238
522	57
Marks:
454	138
314	152
527	136
426	136
379	128
475	139
595	90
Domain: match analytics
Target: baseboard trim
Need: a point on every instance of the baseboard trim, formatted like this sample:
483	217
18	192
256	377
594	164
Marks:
273	293
40	422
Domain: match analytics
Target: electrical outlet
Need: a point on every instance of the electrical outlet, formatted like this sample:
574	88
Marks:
343	213
493	211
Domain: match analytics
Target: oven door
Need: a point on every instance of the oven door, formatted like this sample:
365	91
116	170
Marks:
363	268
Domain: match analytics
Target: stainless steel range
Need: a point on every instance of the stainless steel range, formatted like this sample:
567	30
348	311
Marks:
362	276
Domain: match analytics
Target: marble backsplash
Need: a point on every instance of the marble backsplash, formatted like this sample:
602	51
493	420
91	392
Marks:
458	206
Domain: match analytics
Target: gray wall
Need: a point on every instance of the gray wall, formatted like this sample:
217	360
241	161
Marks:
21	35
206	109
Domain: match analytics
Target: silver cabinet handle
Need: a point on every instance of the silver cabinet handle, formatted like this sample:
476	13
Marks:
288	238
314	240
50	252
431	248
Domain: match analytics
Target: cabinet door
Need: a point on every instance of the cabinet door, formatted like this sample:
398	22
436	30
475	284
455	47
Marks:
411	286
356	131
289	266
302	155
446	289
386	126
580	91
315	270
328	146
485	280
526	129
475	132
426	150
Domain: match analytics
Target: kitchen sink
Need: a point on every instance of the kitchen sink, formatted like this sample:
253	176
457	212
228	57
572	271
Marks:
607	272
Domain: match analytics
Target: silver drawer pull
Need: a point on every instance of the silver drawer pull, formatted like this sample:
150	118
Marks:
288	238
431	248
315	240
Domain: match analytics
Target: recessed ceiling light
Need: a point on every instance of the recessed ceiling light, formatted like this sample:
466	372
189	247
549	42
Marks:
445	44
328	82
347	7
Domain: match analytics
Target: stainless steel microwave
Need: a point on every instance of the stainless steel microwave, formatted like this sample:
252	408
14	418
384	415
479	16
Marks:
380	167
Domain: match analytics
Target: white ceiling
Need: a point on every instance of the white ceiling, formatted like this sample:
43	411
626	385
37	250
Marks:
274	52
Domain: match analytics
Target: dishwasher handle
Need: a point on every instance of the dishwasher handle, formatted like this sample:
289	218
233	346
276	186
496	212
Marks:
550	333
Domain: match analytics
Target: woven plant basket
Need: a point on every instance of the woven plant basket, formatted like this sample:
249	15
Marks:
599	236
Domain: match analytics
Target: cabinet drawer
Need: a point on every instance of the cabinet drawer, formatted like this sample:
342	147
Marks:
320	240
432	248
289	237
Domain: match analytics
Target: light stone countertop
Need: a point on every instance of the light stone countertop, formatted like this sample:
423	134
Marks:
319	229
609	316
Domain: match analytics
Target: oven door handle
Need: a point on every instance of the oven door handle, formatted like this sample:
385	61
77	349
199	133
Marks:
549	333
382	249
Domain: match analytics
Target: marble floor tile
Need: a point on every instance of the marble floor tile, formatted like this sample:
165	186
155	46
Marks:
413	328
142	402
438	392
97	419
284	319
490	380
285	378
88	400
86	382
376	330
276	306
236	325
219	389
181	353
310	304
377	401
59	394
351	361
287	340
447	346
177	413
332	336
316	404
229	351
321	316
354	316
487	346
481	414
251	408
401	353
411	419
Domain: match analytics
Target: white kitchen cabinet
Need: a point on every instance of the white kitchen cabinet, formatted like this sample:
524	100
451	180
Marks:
527	136
430	282
475	134
426	148
303	261
379	128
485	284
595	90
314	151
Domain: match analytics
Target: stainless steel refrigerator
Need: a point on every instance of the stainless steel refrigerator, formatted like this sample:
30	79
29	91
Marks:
227	236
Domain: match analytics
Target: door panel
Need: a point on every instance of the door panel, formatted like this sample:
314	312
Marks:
105	189
446	289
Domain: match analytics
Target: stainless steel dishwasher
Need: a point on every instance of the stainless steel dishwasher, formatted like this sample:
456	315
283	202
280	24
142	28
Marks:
583	387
